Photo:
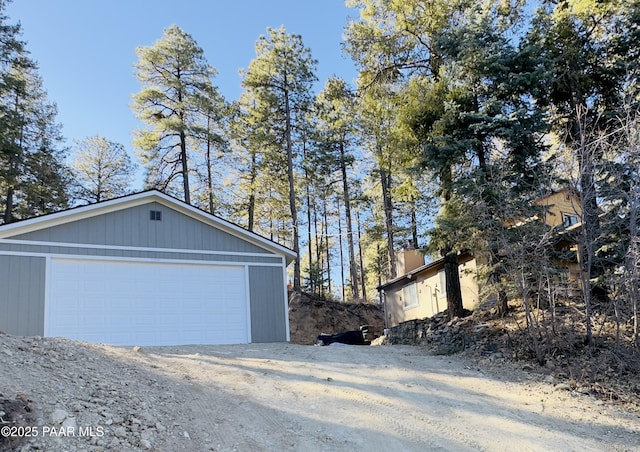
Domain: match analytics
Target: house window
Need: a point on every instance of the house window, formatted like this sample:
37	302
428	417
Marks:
569	220
410	296
155	215
441	287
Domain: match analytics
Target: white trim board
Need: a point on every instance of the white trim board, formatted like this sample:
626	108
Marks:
139	259
135	248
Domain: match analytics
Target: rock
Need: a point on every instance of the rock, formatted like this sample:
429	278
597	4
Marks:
120	432
563	387
186	435
147	434
137	349
146	444
70	424
118	420
58	416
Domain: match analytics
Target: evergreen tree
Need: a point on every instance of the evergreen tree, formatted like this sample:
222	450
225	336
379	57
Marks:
280	79
33	176
46	180
175	77
336	136
11	56
210	137
102	169
465	91
590	51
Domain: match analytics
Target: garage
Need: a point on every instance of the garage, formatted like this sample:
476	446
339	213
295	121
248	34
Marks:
142	303
144	269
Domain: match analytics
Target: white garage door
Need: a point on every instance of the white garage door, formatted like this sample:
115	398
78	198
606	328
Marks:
141	303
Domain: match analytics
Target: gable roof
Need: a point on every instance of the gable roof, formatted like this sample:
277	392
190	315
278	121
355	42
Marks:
409	276
566	190
137	199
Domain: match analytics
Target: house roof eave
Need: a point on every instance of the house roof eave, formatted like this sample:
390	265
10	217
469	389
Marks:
136	199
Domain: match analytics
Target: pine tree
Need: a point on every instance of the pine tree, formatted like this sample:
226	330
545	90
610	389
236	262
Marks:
590	52
210	137
336	136
33	177
175	77
465	92
102	169
280	80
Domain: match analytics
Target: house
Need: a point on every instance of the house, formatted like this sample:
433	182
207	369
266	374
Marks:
419	291
144	269
562	208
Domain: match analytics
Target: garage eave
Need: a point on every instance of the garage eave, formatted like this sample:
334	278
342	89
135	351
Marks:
137	199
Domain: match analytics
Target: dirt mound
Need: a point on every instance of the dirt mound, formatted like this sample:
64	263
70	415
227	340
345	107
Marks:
310	316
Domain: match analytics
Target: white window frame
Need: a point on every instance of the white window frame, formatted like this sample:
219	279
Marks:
569	219
441	286
410	296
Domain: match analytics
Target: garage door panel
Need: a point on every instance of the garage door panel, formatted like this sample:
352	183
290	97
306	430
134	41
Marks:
141	303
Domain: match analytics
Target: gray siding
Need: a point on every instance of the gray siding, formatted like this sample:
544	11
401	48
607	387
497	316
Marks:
132	227
23	276
78	251
22	290
268	309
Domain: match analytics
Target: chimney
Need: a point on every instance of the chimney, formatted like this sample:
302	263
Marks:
408	259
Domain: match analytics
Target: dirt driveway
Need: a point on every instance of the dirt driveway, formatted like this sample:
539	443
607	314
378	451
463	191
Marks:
274	397
294	397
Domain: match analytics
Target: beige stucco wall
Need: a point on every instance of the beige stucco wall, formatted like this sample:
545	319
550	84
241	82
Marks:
562	202
431	299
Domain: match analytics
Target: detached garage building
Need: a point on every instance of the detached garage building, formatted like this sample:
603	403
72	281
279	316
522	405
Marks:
144	269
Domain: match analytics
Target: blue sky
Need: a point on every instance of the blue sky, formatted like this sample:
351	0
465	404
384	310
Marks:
86	48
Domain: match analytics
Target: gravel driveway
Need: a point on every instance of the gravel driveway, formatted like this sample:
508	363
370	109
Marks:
294	397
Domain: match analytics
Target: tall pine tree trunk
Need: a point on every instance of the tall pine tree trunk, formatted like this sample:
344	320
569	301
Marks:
251	208
362	275
385	182
326	243
451	271
452	277
312	279
319	241
414	226
353	270
183	152
8	208
340	250
185	167
292	192
209	172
